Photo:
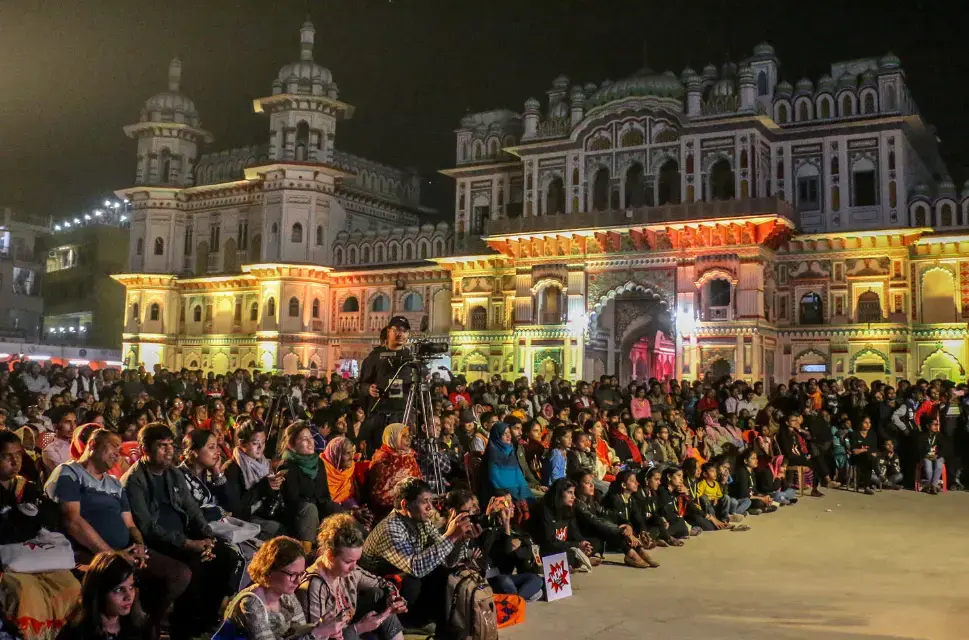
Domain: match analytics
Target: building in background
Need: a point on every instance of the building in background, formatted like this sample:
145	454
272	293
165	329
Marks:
83	304
21	274
663	225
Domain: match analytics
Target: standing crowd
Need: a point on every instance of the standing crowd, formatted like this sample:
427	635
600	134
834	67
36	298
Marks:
274	507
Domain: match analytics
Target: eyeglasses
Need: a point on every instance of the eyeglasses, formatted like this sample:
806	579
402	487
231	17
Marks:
292	576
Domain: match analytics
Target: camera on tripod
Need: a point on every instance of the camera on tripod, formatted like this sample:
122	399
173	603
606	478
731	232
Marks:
427	350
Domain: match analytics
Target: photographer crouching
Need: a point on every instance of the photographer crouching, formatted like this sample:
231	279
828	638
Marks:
381	389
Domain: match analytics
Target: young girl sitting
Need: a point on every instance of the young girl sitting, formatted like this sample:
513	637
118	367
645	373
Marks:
888	468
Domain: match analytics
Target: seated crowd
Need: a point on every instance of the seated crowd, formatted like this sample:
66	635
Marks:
148	476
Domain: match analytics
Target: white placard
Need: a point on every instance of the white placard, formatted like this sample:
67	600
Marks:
558	577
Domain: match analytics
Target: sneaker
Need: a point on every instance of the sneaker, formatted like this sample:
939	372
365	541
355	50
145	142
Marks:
735	518
833	484
816	494
770	509
538	596
869	492
754	512
582	559
792	501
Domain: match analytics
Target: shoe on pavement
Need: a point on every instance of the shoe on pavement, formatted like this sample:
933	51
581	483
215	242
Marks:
735	518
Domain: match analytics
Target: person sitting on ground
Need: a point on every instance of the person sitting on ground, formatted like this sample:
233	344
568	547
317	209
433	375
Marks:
501	463
268	608
508	552
59	449
625	447
408	545
393	462
172	523
557	529
932	462
38	602
107	609
306	491
647	502
744	486
531	478
676	506
251	487
700	513
554	464
888	474
338	462
336	580
602	528
201	466
662	453
97	518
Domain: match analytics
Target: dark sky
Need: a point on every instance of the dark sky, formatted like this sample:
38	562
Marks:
73	72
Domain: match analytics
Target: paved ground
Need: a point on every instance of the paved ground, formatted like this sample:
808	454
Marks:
889	566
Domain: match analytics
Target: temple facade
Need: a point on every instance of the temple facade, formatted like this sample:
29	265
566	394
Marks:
663	225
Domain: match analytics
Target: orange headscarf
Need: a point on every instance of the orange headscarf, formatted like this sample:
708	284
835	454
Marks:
340	481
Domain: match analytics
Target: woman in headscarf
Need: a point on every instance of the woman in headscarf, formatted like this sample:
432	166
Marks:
391	463
627	450
338	459
502	465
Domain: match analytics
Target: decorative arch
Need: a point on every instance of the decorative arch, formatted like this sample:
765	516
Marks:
548	282
942	306
595	306
716	273
810	351
867	352
379	297
940	353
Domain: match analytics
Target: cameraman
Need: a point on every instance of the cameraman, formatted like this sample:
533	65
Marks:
379	392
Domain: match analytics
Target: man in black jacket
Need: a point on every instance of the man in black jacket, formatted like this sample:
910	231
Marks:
382	388
172	523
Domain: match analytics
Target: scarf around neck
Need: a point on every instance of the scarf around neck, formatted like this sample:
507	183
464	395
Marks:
252	470
308	463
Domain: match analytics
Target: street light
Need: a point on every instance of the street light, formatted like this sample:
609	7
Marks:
107	203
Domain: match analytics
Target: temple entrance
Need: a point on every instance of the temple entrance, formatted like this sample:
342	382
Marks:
642	344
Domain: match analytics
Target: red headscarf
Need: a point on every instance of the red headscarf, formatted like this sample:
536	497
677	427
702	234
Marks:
616	434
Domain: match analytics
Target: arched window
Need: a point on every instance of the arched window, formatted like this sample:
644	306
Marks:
635	188
479	319
302	141
139	247
352	255
319	235
423	251
600	190
380	304
869	103
159	247
722	182
719	293
351	305
154	311
668	183
338	256
297	235
550	305
825	106
316	308
782	114
293	307
919	217
165	166
197	313
938	292
271	308
365	259
413	302
254	312
380	253
869	307
802	111
762	83
393	253
555	197
946	215
847	106
811	310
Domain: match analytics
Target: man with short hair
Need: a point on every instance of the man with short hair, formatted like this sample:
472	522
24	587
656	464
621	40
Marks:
408	544
59	449
96	516
172	523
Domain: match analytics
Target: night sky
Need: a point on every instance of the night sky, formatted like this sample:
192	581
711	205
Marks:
73	72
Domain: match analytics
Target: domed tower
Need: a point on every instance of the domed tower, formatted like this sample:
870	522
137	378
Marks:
303	108
168	133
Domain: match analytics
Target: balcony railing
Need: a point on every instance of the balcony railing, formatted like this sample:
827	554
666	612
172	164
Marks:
348	322
718	314
644	216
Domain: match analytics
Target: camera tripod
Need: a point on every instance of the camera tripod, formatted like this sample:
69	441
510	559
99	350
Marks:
423	413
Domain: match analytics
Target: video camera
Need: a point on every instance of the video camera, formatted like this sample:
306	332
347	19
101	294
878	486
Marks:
427	350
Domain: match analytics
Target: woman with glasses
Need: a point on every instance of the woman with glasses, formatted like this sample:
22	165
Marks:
268	609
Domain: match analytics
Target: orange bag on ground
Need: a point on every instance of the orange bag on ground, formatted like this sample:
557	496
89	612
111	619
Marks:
510	610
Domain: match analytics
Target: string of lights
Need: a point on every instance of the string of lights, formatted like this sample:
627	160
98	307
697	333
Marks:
113	212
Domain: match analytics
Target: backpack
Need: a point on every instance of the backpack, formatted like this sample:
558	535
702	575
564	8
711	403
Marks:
469	612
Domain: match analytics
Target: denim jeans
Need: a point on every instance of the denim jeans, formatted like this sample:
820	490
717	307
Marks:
730	505
524	585
784	496
932	470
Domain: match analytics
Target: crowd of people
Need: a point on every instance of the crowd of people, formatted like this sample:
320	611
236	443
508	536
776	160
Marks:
357	519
